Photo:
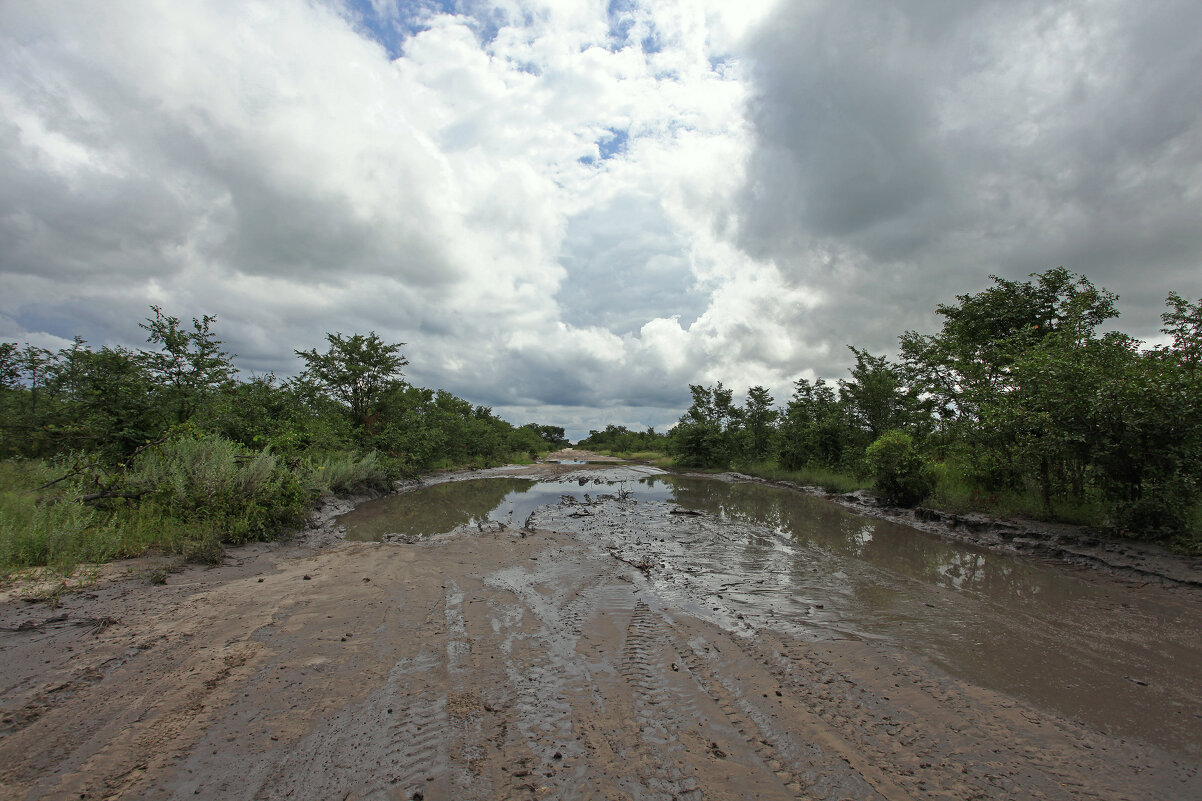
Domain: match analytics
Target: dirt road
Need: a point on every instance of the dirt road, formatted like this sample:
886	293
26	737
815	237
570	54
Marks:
490	665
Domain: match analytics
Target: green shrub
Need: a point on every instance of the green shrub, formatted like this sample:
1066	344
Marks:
211	480
899	472
347	472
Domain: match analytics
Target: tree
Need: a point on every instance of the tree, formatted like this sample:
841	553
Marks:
877	397
971	359
759	420
552	435
189	365
354	371
705	435
814	429
898	470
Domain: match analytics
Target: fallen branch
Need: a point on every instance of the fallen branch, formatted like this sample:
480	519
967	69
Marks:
72	474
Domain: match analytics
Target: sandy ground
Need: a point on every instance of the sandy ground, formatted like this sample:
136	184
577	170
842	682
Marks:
491	665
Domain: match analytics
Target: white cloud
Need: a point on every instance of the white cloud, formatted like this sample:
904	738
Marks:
550	203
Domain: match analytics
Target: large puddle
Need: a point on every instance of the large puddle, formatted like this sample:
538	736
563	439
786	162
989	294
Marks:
1123	658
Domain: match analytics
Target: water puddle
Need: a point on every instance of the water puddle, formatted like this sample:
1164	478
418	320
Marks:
751	556
442	508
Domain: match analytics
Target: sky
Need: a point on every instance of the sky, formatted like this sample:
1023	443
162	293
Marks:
570	210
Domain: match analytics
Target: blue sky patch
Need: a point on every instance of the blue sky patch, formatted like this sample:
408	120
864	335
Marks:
614	144
391	22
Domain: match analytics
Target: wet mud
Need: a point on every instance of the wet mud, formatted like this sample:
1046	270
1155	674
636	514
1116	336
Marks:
608	632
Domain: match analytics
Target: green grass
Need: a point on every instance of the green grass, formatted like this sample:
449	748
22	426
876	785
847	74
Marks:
955	492
344	472
828	479
52	528
654	457
188	495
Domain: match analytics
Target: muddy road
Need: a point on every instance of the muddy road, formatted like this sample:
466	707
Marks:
606	632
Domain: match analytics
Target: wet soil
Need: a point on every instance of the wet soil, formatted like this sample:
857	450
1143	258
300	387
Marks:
632	636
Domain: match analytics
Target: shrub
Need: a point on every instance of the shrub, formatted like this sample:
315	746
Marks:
899	472
346	472
211	480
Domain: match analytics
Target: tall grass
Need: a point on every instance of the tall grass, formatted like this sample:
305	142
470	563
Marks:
54	528
344	472
956	492
827	478
218	487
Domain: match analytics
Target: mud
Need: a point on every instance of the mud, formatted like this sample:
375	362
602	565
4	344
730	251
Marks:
654	640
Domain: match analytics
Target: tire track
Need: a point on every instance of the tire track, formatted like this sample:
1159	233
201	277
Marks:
907	747
644	672
393	745
807	771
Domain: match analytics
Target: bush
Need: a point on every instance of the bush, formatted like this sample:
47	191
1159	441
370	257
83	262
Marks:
348	472
211	480
899	472
1162	510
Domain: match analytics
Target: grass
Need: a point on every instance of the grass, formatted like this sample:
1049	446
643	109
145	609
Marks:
828	479
53	528
187	495
955	492
344	472
654	457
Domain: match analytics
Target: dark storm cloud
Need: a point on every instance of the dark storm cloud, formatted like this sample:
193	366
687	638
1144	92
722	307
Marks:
905	151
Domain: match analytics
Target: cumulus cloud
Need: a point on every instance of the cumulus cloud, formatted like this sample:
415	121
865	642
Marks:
521	191
571	210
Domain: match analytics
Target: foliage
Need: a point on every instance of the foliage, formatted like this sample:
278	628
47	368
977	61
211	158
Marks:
899	472
759	420
189	365
620	439
553	436
355	371
208	479
826	478
167	446
815	427
1024	406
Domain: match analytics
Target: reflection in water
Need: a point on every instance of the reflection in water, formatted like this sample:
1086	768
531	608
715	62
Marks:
432	510
760	556
440	508
1092	648
816	523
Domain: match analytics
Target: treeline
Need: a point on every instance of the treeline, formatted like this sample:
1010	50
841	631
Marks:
103	447
1018	399
620	439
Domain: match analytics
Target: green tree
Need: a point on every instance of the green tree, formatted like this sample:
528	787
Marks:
705	435
899	472
189	365
552	435
814	430
877	397
970	360
759	422
354	371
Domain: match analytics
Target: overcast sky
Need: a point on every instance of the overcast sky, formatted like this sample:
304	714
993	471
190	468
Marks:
570	210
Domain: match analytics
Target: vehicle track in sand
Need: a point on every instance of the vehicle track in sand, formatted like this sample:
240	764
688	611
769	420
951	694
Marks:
496	664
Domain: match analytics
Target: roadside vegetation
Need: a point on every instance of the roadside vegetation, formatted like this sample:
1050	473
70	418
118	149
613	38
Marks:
107	453
1018	406
619	441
